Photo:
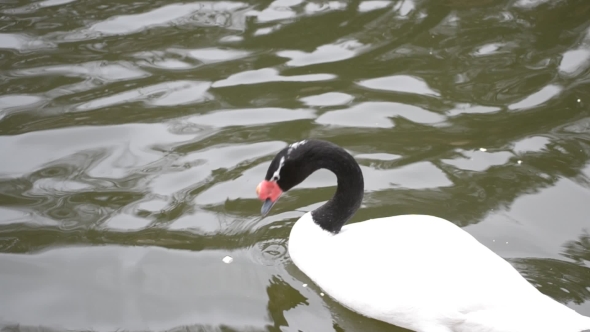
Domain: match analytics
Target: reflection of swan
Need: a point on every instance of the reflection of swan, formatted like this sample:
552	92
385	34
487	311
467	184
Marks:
282	297
418	272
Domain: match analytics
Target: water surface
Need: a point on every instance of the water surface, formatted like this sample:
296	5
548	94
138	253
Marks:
133	135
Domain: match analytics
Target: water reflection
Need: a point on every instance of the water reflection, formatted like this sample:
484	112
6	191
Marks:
133	136
578	250
564	281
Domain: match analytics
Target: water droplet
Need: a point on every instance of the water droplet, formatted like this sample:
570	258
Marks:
483	149
519	162
321	294
304	285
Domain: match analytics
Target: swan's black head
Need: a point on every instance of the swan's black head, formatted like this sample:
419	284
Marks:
299	160
289	168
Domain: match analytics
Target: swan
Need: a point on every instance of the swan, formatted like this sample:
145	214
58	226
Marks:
418	272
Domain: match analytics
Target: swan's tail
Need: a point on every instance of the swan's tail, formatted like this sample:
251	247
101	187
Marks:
569	318
585	324
550	316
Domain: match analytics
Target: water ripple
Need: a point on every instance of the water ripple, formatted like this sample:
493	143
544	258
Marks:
108	72
267	75
249	117
174	14
22	43
133	135
163	94
328	99
537	98
400	83
377	114
326	53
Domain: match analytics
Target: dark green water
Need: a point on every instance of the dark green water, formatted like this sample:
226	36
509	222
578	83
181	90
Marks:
133	135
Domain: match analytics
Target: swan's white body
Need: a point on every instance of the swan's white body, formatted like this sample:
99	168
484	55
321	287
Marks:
425	274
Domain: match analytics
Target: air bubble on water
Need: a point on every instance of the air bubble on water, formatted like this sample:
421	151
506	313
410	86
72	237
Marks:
227	259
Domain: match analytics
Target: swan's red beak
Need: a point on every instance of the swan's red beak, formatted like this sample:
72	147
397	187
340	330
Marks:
269	192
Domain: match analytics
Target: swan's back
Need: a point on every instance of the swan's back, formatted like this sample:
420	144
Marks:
419	272
426	274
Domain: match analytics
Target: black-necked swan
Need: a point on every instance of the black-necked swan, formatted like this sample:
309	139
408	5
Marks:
419	272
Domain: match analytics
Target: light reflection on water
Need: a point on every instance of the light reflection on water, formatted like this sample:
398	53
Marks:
133	136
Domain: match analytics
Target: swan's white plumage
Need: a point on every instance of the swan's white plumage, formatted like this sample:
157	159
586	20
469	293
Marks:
425	274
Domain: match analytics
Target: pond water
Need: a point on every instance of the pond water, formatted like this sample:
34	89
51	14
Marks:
133	135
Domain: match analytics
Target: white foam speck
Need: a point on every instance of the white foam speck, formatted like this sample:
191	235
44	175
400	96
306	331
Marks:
227	259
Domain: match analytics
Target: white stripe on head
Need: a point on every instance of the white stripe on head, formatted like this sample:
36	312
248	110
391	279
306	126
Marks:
277	174
295	146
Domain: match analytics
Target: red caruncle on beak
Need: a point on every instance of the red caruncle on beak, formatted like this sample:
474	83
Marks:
269	192
268	189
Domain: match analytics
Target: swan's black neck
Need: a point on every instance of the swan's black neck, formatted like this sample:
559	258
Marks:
349	194
296	162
